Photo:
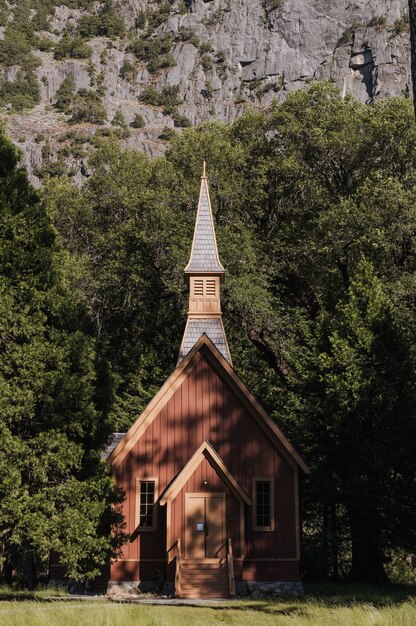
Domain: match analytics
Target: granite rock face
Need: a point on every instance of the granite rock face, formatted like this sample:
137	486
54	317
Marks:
229	54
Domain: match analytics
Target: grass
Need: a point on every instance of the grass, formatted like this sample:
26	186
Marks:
327	605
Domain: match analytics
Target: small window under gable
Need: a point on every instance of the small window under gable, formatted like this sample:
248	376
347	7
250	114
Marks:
146	496
263	504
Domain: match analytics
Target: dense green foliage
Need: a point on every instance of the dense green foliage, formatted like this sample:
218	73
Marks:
87	106
106	23
55	494
316	218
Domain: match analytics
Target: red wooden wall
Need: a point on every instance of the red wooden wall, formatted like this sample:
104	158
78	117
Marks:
203	407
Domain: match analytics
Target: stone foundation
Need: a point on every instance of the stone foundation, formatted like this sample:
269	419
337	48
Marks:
244	589
283	588
126	588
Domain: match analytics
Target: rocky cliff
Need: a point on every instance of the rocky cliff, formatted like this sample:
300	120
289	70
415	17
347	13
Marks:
181	62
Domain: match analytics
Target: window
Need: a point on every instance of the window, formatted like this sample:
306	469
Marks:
210	287
263	504
204	287
198	287
146	496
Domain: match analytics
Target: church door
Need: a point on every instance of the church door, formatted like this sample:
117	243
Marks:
204	525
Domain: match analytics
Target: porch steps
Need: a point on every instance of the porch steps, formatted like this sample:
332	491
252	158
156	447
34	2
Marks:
204	578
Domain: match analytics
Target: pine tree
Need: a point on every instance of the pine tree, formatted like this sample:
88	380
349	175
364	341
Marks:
55	494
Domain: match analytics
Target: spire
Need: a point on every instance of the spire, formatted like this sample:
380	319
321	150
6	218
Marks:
205	274
204	253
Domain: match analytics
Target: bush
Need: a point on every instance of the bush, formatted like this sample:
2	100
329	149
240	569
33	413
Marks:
167	134
106	24
378	21
87	107
401	25
119	119
155	52
180	121
65	94
160	62
188	35
206	62
138	121
14	48
156	18
126	69
168	98
72	47
22	93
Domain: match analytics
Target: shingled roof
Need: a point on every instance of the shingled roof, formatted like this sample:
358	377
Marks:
204	254
212	328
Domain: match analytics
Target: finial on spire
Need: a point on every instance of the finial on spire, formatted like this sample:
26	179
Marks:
204	165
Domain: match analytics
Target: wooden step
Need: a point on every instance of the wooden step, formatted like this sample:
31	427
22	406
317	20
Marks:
204	578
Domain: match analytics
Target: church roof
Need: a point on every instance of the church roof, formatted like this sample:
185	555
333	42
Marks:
213	328
112	444
204	253
205	348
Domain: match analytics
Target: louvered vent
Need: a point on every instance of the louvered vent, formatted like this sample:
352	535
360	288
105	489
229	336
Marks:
199	287
210	289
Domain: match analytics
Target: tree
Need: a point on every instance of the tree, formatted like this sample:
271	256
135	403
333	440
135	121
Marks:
300	196
412	23
359	402
55	494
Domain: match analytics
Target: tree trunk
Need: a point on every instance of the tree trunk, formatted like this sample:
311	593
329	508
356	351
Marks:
367	556
31	578
412	23
8	573
334	543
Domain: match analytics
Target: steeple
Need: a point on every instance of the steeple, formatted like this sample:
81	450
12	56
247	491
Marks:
204	274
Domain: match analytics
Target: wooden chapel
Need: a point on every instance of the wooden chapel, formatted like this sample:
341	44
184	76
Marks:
211	482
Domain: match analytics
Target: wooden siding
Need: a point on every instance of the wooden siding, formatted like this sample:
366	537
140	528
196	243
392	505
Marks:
203	407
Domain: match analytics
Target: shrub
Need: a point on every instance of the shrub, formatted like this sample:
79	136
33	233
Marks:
168	98
206	62
107	23
72	47
205	47
126	69
167	134
119	119
155	52
140	21
23	92
378	21
14	48
138	121
87	107
188	35
180	121
158	63
156	18
65	94
401	25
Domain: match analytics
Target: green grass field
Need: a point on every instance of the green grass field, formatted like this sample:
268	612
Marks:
323	606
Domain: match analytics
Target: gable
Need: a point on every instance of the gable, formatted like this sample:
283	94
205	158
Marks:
205	451
215	383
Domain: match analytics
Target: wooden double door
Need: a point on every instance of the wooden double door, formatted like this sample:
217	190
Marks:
205	525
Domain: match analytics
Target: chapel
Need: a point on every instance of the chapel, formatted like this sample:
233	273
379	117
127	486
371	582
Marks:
211	482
